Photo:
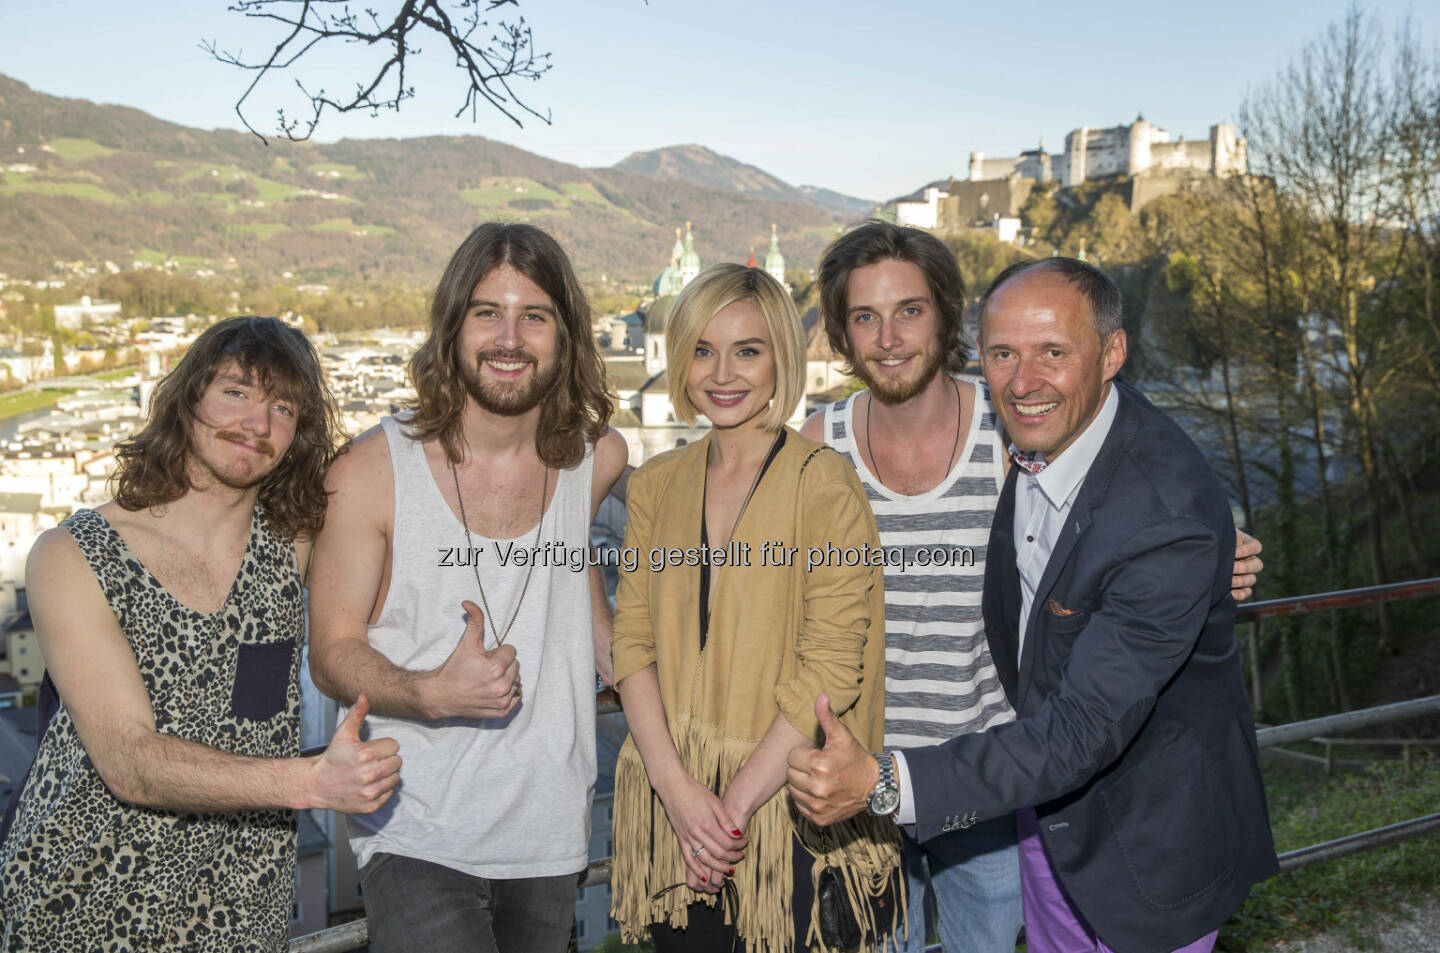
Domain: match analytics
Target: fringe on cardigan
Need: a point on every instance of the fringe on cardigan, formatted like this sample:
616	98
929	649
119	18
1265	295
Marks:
647	858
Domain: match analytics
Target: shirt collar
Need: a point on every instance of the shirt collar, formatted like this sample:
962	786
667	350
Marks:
1061	479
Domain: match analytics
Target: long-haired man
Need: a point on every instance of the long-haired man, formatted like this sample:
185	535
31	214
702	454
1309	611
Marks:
451	587
159	812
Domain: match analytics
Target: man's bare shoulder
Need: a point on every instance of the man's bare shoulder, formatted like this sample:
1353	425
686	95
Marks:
54	550
364	462
58	578
814	427
611	455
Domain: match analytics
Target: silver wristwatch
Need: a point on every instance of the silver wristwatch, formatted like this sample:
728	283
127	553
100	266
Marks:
885	799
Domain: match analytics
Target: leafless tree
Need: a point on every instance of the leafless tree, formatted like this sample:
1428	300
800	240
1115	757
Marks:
491	56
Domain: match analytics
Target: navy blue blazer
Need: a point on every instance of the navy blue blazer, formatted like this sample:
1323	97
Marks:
1134	740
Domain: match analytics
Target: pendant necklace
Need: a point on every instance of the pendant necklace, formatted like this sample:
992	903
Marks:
875	465
500	636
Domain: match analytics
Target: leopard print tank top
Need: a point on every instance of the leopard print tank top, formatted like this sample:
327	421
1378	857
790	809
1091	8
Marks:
82	870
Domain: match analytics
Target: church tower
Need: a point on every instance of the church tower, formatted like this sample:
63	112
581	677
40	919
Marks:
774	261
689	260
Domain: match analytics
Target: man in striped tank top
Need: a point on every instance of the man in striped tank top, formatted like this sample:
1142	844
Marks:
925	442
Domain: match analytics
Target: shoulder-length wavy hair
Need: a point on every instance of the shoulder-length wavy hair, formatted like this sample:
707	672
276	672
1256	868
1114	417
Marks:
874	241
578	407
151	466
709	293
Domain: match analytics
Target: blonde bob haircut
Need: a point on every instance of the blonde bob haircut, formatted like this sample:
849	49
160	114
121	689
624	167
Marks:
709	293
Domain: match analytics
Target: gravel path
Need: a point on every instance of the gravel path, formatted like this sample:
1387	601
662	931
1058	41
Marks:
1415	928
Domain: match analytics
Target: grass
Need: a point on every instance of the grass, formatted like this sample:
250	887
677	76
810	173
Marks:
220	173
271	191
1307	807
261	230
19	402
79	149
150	256
120	373
334	170
500	191
584	192
349	227
17	182
267	190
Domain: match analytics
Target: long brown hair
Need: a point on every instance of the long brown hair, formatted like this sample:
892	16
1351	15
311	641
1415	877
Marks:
151	466
577	408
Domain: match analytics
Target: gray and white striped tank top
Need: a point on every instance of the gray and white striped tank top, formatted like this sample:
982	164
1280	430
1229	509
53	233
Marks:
939	679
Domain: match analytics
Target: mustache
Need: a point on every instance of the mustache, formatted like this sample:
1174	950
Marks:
259	443
505	354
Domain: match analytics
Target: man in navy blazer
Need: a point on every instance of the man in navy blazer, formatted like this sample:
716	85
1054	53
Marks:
1132	767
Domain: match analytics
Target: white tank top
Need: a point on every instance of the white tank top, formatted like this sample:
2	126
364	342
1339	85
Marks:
496	799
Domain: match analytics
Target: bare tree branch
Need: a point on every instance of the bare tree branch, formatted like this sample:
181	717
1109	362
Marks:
490	64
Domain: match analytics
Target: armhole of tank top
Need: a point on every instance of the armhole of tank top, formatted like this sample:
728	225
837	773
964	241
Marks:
397	443
833	410
583	473
996	437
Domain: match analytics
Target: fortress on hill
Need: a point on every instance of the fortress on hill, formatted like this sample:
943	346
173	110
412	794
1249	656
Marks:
1155	165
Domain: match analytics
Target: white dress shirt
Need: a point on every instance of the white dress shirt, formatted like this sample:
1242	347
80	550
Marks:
1042	506
1043	501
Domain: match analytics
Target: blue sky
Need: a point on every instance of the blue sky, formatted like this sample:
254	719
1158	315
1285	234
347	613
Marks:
865	98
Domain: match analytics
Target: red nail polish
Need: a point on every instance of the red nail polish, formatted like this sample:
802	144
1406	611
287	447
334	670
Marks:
731	871
704	881
735	833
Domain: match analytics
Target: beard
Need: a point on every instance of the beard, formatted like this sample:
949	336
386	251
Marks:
898	392
205	473
508	400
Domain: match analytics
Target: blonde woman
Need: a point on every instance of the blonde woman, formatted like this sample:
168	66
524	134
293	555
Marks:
753	596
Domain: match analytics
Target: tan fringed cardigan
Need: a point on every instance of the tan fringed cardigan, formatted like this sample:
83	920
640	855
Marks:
779	636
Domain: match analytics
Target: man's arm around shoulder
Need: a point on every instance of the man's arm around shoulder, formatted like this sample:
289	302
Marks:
96	675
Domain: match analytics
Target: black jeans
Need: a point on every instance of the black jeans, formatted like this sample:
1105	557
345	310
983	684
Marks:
415	906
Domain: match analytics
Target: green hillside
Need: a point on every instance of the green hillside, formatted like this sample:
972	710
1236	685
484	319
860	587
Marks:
93	183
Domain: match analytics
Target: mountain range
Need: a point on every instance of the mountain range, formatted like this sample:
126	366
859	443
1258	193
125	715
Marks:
84	182
701	166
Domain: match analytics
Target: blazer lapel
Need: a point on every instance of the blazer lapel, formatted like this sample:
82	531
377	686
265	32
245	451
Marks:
1002	590
1092	491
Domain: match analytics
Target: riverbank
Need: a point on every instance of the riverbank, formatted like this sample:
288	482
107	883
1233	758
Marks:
26	400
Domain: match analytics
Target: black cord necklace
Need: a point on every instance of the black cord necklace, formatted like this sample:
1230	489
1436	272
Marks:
500	637
949	462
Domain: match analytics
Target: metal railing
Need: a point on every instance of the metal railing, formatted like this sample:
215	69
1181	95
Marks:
352	936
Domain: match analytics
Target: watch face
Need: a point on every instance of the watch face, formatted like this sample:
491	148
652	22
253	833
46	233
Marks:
885	801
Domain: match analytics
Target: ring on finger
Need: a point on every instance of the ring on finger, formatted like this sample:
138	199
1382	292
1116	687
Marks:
698	851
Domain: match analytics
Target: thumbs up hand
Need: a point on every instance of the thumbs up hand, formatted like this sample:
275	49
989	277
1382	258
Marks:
831	783
354	776
474	682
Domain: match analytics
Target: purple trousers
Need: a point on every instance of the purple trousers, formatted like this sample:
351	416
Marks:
1052	924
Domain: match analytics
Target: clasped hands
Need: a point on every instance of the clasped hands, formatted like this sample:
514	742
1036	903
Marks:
710	833
831	783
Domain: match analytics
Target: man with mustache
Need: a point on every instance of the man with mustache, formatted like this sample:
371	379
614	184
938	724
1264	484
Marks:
1132	769
928	448
483	667
159	811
